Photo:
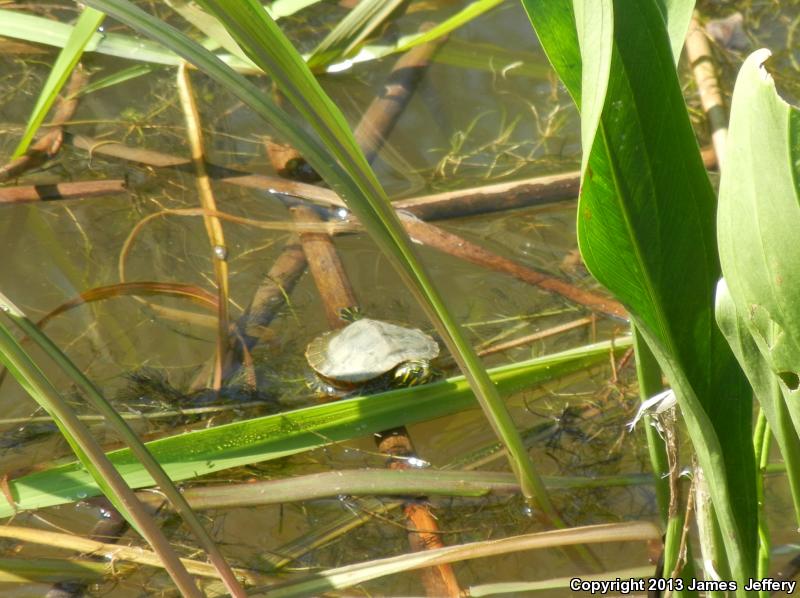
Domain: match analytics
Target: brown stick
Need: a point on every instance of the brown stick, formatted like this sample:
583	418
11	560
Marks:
73	190
698	52
262	182
452	204
492	198
47	146
382	114
271	294
214	231
536	336
437	238
326	268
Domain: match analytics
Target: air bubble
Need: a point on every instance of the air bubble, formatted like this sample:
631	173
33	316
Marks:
221	252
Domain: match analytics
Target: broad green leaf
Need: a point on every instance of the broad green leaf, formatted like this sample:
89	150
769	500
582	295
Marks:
759	215
646	231
189	455
594	25
677	14
66	62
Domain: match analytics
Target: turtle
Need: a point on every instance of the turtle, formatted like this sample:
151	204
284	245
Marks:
370	355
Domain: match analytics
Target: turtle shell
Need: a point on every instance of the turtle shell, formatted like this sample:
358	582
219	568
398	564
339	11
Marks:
366	349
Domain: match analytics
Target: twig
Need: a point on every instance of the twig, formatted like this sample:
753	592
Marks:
382	114
326	268
50	191
435	237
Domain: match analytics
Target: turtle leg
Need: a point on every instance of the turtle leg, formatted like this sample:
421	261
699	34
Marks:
414	372
322	388
350	314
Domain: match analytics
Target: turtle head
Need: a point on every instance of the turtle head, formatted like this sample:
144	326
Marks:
414	372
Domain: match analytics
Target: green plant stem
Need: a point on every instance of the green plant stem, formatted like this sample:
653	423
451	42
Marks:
762	439
648	375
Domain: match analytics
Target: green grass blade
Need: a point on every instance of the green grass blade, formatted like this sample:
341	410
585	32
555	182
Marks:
345	37
17	570
386	482
406	42
40	30
121	76
461	18
284	8
189	455
211	27
67	60
646	231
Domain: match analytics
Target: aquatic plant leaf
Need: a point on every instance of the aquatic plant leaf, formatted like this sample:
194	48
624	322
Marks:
646	231
350	575
41	30
465	15
218	37
19	570
115	78
765	384
757	223
352	30
67	60
197	453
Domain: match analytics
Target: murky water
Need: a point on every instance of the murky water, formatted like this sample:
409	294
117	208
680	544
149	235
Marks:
463	128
